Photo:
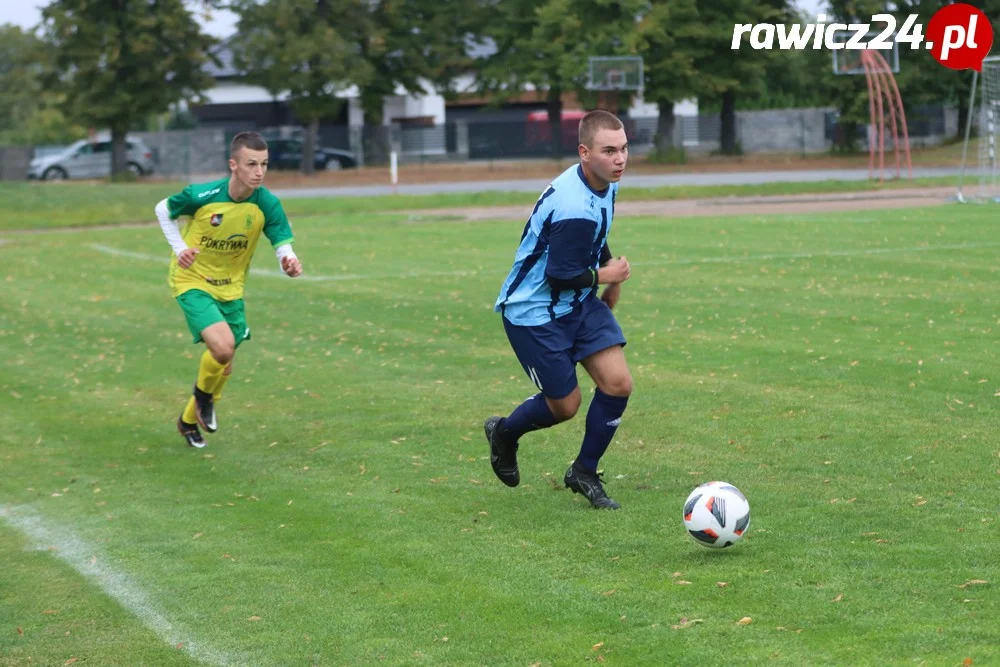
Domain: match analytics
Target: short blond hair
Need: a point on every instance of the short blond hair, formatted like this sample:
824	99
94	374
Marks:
596	121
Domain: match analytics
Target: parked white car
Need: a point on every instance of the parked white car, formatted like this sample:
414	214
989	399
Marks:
91	159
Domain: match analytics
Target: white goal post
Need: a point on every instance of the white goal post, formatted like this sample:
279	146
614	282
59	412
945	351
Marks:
980	183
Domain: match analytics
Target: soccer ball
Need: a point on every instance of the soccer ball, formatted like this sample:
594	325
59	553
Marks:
717	514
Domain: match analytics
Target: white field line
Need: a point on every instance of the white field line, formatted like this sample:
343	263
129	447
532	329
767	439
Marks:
45	535
274	273
817	255
732	259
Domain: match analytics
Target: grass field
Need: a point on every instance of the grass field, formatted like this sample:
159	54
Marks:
842	370
55	205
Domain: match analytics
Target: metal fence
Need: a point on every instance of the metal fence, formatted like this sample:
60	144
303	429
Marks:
14	162
186	153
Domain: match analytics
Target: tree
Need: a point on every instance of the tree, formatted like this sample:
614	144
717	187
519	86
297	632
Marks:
27	113
725	75
409	45
922	80
314	49
299	47
117	61
669	36
19	87
547	44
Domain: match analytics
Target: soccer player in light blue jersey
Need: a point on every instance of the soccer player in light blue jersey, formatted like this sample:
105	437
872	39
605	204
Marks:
554	319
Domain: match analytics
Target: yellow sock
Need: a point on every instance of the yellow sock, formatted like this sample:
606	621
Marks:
219	384
209	372
210	379
190	415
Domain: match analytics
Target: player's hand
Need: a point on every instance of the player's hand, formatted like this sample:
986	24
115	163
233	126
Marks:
611	294
187	257
291	266
615	271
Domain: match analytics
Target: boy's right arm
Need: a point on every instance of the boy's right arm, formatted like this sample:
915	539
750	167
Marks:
169	228
167	211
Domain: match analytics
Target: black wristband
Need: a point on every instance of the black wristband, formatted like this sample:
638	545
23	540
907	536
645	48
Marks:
586	279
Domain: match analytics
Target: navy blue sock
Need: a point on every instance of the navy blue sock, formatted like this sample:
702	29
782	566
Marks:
603	417
532	415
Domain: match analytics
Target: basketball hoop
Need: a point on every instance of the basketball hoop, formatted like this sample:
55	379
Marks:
615	73
615	79
610	75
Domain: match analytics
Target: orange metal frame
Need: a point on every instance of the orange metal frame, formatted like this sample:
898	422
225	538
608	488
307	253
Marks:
883	95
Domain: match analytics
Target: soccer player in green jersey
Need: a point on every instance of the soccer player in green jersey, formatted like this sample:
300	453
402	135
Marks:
210	263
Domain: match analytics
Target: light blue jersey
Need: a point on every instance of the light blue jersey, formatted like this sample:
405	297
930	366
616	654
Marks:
563	238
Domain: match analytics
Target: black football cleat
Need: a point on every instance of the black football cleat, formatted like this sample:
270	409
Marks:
503	454
205	409
588	484
191	434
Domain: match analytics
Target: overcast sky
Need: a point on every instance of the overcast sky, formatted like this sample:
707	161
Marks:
221	23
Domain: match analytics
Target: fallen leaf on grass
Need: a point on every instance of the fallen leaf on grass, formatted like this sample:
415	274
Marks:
973	582
840	596
70	661
721	584
681	582
746	620
254	618
967	662
20	631
597	646
609	593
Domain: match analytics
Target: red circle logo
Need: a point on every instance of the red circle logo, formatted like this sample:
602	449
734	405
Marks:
959	36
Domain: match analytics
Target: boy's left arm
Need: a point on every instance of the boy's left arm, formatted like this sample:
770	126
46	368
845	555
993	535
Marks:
278	231
612	292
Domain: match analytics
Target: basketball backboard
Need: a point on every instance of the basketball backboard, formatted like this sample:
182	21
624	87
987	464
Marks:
615	73
848	61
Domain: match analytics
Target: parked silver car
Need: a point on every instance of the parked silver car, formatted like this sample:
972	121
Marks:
91	159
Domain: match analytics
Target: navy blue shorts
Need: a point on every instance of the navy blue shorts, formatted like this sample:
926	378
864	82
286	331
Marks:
550	352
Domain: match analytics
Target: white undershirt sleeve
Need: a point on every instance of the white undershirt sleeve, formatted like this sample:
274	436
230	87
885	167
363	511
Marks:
169	228
283	251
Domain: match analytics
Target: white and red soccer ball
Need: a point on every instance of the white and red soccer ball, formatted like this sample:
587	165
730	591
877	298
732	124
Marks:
717	514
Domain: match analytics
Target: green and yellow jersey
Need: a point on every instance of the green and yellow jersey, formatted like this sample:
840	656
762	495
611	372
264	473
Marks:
225	232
